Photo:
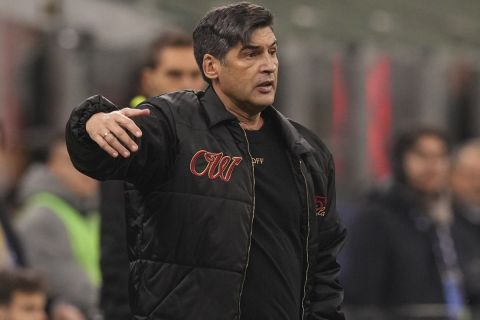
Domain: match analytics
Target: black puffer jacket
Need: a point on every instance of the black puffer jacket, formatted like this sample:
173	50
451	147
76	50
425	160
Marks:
189	236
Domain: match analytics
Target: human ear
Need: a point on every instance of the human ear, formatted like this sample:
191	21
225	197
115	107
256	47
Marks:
211	66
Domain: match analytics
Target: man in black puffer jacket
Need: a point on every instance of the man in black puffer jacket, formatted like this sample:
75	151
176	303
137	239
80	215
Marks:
237	218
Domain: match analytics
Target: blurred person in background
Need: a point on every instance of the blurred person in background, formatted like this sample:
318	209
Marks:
465	182
59	228
168	66
11	253
23	295
401	256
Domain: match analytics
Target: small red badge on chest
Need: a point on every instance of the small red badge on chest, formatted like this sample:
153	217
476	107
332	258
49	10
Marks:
216	165
320	205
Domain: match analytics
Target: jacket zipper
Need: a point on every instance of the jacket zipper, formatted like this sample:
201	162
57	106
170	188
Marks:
251	226
306	242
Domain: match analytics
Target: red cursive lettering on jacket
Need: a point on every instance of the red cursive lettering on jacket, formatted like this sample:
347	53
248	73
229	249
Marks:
217	165
320	205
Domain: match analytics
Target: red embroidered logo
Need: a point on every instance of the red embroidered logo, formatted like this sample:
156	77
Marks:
217	165
320	205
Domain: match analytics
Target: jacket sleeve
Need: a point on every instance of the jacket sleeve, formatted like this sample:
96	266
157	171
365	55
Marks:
327	294
150	162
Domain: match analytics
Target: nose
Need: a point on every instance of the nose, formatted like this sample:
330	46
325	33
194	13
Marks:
186	83
270	63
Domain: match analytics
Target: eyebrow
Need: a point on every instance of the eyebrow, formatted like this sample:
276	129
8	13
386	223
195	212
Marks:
254	47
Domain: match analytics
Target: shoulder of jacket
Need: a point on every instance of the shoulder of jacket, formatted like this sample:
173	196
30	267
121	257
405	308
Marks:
176	105
178	99
313	139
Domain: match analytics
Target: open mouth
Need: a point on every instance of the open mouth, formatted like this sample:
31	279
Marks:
265	86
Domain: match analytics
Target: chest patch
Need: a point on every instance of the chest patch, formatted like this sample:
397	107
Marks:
213	165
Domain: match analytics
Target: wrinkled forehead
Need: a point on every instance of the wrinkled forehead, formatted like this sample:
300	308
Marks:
260	36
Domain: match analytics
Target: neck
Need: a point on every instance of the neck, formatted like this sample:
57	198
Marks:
249	116
248	122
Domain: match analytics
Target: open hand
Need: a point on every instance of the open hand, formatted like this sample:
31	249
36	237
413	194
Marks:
110	130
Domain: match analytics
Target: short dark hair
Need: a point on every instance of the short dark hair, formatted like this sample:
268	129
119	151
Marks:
224	27
167	39
405	142
19	280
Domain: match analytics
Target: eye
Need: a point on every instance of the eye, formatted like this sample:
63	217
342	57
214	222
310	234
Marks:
251	53
174	74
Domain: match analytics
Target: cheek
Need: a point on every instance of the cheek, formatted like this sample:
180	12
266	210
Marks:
441	169
411	167
235	85
199	84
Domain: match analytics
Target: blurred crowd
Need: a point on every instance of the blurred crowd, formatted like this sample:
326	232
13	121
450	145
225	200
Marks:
413	246
412	250
61	261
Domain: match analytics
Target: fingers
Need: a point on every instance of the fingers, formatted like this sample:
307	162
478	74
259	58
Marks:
128	123
111	131
134	113
102	143
120	137
112	139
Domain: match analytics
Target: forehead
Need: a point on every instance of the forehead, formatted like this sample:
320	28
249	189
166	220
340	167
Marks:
470	158
181	56
20	298
262	36
430	142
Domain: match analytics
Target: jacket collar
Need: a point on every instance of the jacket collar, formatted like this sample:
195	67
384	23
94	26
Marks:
214	108
295	141
217	113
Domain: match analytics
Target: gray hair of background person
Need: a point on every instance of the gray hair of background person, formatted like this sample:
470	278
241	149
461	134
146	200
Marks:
406	141
19	280
224	27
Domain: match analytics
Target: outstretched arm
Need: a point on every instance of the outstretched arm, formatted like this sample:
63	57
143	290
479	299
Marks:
107	143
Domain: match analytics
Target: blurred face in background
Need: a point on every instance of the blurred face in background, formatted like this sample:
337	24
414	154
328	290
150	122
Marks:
465	178
176	70
426	165
25	306
60	164
12	163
